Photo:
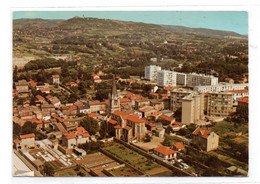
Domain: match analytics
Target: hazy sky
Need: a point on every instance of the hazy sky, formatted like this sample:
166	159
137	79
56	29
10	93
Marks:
236	21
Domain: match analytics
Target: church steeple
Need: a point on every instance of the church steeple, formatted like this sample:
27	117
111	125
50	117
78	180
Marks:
113	99
114	91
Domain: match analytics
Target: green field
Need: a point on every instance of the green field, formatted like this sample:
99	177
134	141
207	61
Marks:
135	159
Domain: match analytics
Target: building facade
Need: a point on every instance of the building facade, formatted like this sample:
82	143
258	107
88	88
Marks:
219	104
205	139
176	97
194	79
150	72
166	78
181	78
192	108
220	87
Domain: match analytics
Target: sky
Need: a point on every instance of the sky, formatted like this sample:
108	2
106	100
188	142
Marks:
236	21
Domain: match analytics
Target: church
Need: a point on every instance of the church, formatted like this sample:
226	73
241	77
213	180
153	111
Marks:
128	127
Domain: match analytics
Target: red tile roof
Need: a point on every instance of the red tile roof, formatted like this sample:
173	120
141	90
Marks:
178	145
119	113
125	100
167	118
168	88
16	141
135	118
27	136
96	103
177	123
175	126
55	76
26	113
244	100
32	83
117	127
163	95
39	97
154	94
34	120
45	89
164	150
156	114
203	132
91	115
26	102
228	79
78	132
239	91
113	122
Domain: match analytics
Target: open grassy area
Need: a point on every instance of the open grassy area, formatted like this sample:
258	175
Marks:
71	172
124	171
134	158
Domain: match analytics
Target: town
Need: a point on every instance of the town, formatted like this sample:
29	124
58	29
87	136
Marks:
68	121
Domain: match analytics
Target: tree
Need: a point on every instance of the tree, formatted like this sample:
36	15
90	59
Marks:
90	124
103	130
48	169
29	127
16	130
15	76
147	138
167	141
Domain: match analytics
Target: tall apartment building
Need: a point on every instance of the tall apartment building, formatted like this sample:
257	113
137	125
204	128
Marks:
194	79
219	103
192	108
176	98
220	87
166	78
150	72
181	78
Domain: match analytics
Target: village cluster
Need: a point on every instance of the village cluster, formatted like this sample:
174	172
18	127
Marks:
135	122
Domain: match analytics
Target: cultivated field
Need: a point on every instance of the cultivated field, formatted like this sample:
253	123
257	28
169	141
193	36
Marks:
140	162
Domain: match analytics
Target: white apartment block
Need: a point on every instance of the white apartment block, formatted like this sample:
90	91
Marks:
181	78
151	72
166	78
220	87
194	79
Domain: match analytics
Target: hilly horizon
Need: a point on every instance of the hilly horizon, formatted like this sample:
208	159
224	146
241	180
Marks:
175	28
126	47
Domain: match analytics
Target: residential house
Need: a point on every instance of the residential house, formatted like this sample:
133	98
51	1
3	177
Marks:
205	139
74	138
165	153
55	79
25	141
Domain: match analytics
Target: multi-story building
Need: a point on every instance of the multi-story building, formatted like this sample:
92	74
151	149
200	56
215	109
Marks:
181	78
166	78
219	103
151	72
192	108
175	99
205	139
194	79
55	79
237	94
22	86
243	104
220	87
